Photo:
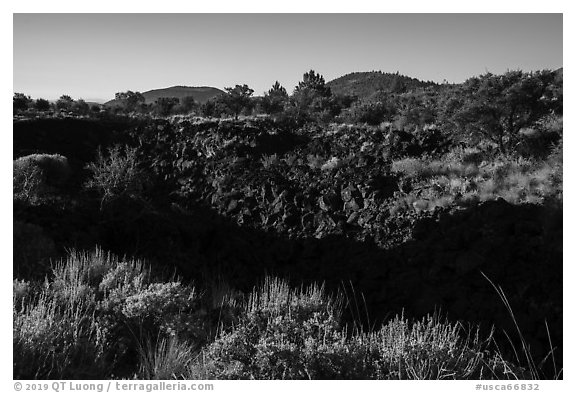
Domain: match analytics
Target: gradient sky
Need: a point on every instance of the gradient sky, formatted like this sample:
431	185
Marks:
93	56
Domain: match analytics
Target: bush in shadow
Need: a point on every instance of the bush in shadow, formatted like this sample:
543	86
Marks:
33	249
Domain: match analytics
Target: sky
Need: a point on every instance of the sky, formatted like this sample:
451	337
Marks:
93	56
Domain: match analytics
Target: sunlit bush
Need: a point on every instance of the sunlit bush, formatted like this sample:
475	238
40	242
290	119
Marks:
117	174
297	334
91	316
37	176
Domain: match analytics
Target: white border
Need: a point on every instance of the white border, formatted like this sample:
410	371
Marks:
300	6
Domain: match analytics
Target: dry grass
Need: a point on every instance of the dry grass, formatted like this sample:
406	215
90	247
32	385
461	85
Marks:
54	341
169	358
442	183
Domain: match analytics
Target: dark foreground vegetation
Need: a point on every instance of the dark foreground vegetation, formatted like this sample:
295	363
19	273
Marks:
414	230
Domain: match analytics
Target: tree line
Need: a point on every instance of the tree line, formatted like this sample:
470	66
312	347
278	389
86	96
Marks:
489	107
65	103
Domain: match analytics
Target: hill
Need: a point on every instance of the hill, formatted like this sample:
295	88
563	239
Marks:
366	84
200	94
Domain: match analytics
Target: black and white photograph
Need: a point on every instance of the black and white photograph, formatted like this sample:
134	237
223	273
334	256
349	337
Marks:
287	196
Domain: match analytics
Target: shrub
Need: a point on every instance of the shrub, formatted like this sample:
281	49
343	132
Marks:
467	156
21	291
410	167
97	316
170	306
266	343
63	329
77	278
291	160
297	334
540	140
53	341
331	164
372	113
37	175
269	161
315	161
88	319
121	281
118	174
